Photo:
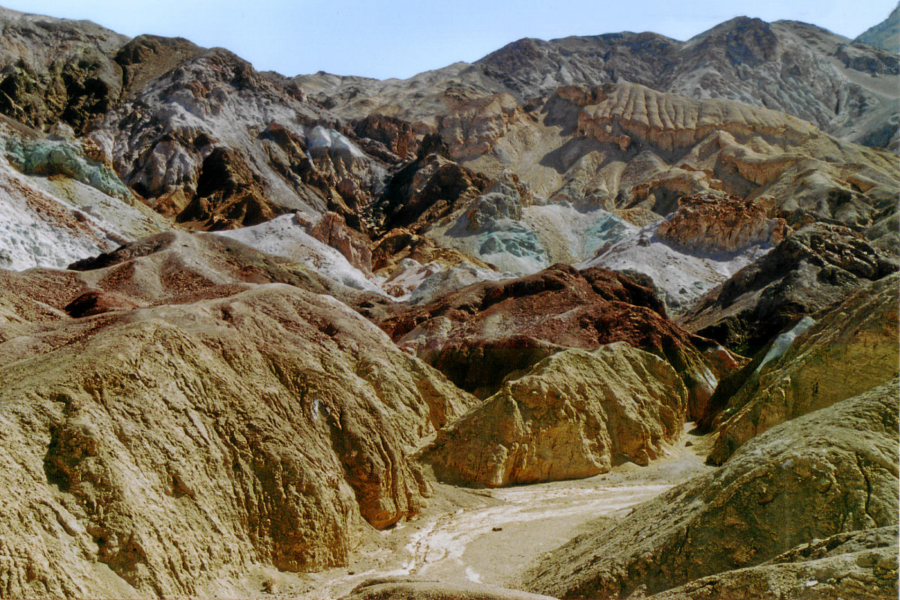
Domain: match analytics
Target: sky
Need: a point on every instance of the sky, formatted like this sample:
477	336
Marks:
399	38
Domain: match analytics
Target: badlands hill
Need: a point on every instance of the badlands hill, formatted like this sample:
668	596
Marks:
499	330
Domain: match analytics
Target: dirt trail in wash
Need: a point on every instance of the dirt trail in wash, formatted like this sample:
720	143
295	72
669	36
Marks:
491	536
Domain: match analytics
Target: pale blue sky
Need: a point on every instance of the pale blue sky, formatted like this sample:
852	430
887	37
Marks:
399	38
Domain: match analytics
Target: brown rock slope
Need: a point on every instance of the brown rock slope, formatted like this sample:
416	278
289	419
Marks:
416	589
852	348
166	451
484	332
860	564
830	472
574	414
816	266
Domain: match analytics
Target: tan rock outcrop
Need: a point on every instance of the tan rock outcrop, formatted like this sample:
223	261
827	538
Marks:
165	451
574	414
617	112
861	564
713	223
830	472
851	349
472	127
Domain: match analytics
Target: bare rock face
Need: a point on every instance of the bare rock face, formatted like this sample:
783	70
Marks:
426	190
165	451
670	121
61	201
228	195
816	266
831	472
484	332
403	588
471	128
389	138
332	230
885	34
400	244
574	414
852	348
68	74
860	564
709	223
254	136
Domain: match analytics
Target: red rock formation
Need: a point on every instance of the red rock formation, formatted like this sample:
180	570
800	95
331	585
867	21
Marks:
388	138
482	333
332	230
98	302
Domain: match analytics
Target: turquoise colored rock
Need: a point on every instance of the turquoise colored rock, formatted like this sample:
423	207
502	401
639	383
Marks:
47	157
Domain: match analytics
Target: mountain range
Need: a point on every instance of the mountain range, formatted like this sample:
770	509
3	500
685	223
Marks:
255	327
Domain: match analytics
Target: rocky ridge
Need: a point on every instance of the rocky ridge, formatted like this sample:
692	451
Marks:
831	472
850	349
846	89
252	454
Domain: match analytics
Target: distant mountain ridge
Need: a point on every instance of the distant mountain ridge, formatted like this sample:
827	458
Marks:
846	87
886	34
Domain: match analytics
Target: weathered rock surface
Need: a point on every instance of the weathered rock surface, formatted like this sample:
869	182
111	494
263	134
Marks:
860	564
135	471
399	588
482	333
830	472
850	349
566	178
574	414
299	237
198	133
708	239
58	205
57	69
816	266
425	191
709	223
